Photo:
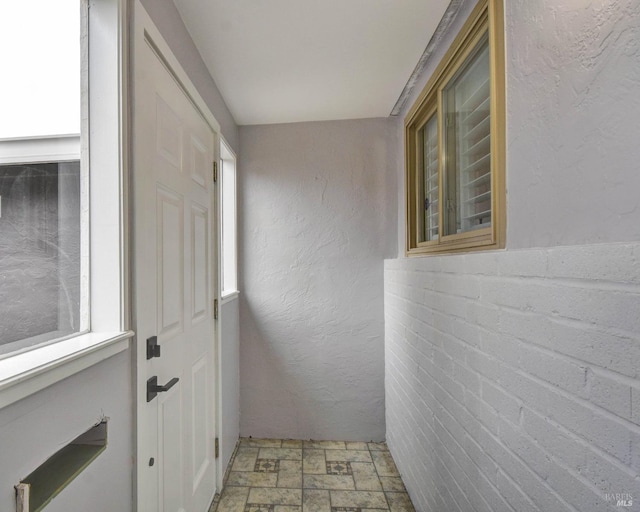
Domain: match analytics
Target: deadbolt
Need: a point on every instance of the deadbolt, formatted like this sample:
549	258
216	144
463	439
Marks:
153	349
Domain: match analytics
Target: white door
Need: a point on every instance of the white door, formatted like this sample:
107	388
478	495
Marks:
174	251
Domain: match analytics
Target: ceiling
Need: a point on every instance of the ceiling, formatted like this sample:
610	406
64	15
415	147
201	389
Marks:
281	61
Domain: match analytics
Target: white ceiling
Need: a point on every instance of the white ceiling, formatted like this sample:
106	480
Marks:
279	61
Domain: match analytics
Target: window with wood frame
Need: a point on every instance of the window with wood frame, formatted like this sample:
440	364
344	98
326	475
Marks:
455	144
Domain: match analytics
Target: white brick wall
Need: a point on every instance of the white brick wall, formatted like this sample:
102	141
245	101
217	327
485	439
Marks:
512	378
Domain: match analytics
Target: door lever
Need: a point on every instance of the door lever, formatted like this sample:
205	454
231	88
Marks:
153	388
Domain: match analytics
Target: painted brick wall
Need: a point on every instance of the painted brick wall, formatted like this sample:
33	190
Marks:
512	378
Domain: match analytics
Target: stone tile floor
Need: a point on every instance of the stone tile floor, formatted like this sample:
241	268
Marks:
274	475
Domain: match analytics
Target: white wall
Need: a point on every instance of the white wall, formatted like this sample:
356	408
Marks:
511	376
229	368
36	427
317	217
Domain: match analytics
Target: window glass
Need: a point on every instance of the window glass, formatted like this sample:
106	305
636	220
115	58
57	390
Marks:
229	242
466	102
40	55
429	199
39	251
41	183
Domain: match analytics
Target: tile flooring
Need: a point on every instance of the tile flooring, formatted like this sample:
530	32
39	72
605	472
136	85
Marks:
273	475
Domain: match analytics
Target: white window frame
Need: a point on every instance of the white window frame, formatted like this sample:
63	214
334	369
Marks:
105	122
56	148
228	170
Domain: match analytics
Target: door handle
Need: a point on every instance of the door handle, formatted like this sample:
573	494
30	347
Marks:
153	388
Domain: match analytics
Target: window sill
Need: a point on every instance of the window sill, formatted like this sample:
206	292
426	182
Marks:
229	297
457	246
29	372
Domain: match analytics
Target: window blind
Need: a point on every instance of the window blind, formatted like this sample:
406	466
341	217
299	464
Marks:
471	91
430	178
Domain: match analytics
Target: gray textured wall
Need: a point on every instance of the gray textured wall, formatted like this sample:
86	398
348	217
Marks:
573	70
317	218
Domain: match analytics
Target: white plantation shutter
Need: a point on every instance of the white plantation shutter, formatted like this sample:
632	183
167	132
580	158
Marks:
469	94
430	173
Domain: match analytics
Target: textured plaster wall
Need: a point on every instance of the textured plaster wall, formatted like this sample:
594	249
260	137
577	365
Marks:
511	376
34	428
316	219
573	82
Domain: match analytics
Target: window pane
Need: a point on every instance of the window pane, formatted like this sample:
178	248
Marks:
468	145
39	252
429	198
42	232
229	273
40	55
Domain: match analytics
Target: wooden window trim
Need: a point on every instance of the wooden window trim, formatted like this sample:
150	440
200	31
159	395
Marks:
487	17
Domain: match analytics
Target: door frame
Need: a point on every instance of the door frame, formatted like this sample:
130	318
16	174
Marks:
144	32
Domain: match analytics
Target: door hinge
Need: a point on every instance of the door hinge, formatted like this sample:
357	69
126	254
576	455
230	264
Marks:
216	447
215	172
215	309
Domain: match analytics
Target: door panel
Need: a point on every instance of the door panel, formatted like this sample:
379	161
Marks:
170	422
199	165
169	134
169	259
200	425
199	274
